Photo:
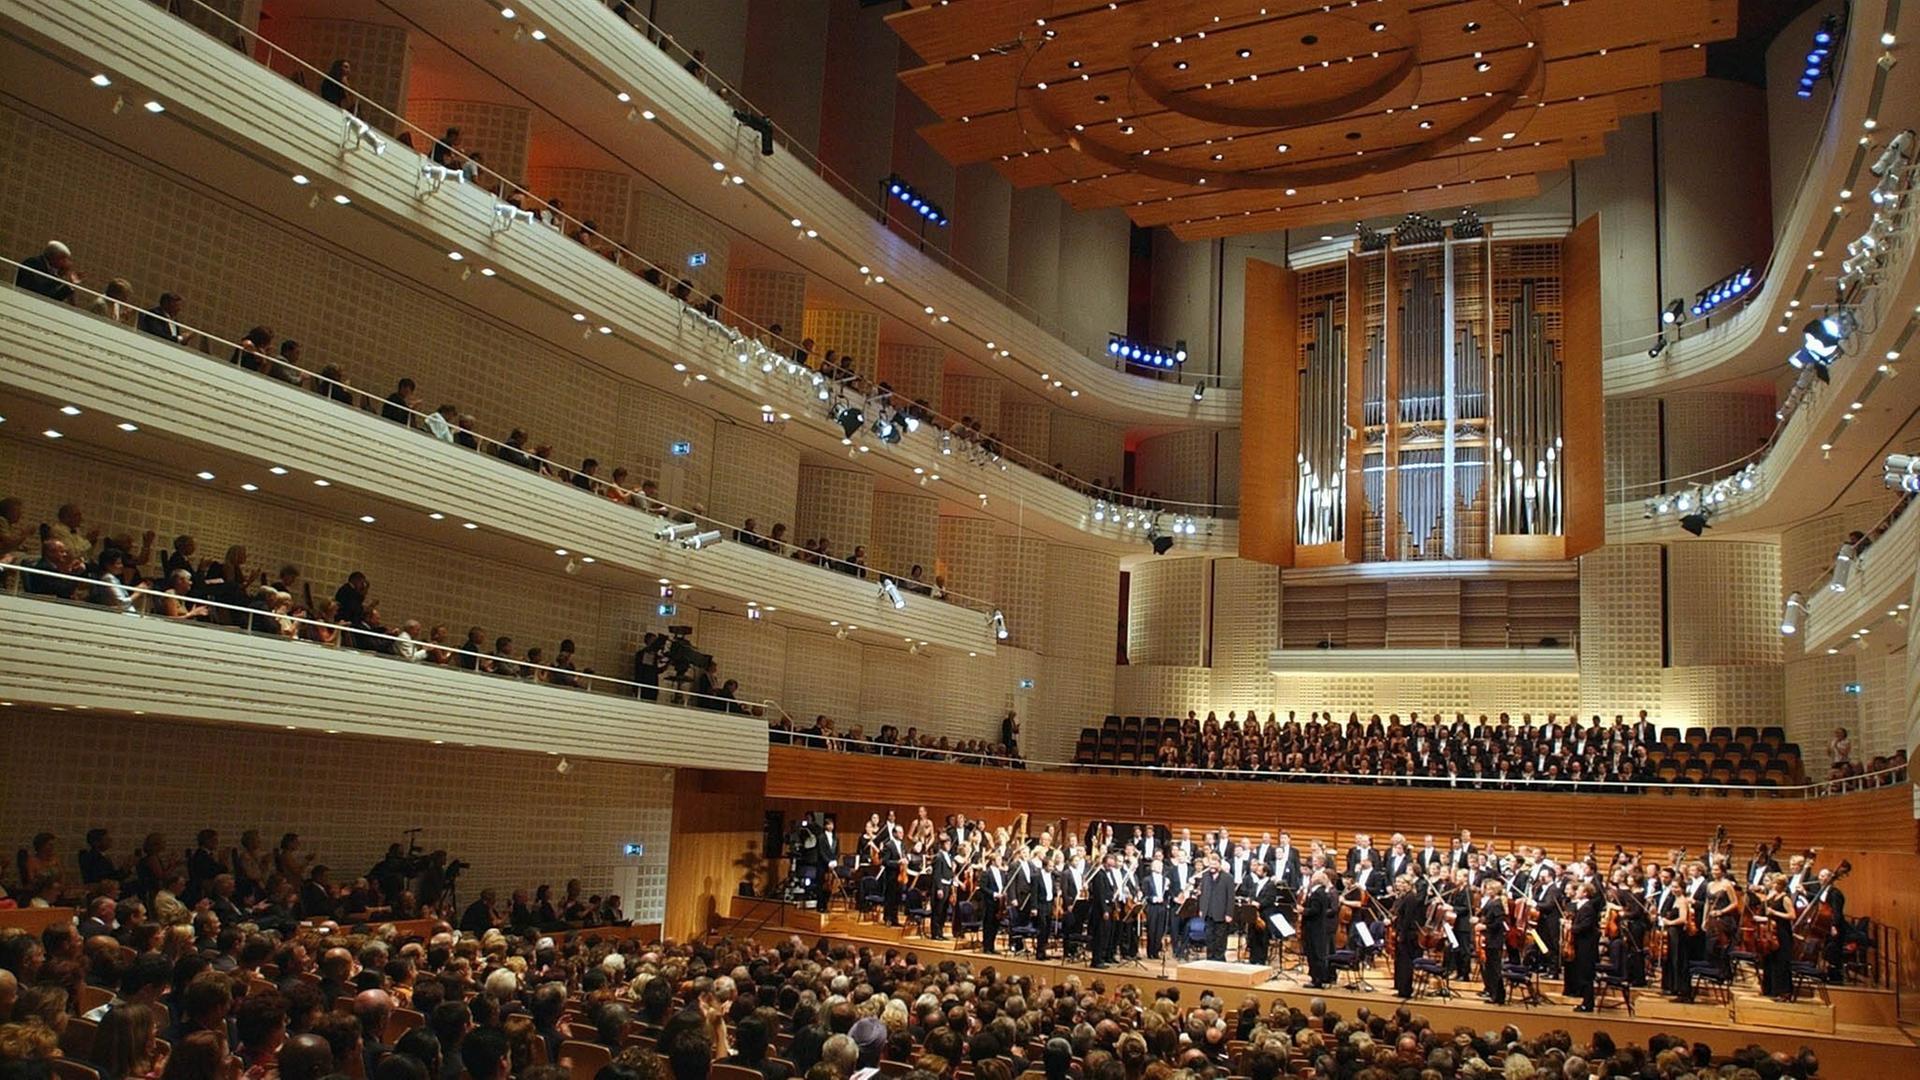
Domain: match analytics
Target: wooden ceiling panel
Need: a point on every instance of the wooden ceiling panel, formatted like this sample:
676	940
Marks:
1173	107
1451	197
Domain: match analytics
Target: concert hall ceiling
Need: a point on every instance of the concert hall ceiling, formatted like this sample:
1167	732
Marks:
1218	117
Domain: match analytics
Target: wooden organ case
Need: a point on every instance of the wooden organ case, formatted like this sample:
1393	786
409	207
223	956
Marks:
1433	396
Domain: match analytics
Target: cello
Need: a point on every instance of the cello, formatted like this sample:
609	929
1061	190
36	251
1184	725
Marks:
1815	925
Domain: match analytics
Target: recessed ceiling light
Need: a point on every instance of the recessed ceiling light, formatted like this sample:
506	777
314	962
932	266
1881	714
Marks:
1283	148
366	519
623	97
101	80
1246	54
204	474
539	35
646	114
559	551
342	199
719	167
578	317
249	487
70	410
468	525
278	470
322	483
52	434
127	425
437	515
1179	65
586	558
1484	65
1377	27
455	256
155	107
301	179
486	271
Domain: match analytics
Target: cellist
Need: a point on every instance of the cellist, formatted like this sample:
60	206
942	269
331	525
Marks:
1776	965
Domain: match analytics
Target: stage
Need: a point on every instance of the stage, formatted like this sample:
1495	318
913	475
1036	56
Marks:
1855	1031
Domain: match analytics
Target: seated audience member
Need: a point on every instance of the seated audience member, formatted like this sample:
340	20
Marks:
440	423
162	320
50	274
399	406
116	303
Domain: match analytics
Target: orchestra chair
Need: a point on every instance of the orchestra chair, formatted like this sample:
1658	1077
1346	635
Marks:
1020	931
1707	973
1610	977
1523	983
915	905
1432	978
1355	960
1808	978
873	894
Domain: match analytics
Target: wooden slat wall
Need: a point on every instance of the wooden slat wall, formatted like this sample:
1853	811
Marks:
1270	398
717	837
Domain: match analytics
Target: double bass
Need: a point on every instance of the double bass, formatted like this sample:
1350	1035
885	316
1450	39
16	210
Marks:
1815	925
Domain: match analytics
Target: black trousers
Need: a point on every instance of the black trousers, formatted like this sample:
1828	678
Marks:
1320	958
1406	949
989	920
892	887
1217	939
1042	932
1103	928
1492	978
939	907
1159	923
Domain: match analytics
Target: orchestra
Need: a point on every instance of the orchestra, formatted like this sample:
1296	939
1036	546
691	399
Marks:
1110	891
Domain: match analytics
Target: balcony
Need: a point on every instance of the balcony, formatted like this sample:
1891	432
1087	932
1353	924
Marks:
64	356
586	56
259	129
1879	586
73	656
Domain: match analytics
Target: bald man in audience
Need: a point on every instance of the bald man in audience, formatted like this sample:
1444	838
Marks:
306	1057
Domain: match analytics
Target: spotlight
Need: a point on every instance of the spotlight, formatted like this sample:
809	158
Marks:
1199	391
848	417
926	208
1896	155
1790	615
998	624
761	123
676	531
1146	354
1695	523
1161	543
432	176
1659	346
1674	314
1716	294
702	540
1842	568
1820	56
505	214
891	594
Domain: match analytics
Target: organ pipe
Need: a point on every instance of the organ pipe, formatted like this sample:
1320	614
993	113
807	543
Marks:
1526	425
1321	457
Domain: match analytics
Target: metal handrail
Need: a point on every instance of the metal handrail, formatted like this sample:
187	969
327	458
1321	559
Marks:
372	403
149	594
856	193
1808	790
623	256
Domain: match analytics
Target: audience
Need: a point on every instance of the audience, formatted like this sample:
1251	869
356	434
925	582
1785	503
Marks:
825	1012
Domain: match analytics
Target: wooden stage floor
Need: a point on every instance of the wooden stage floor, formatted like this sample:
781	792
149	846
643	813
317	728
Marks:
1865	1032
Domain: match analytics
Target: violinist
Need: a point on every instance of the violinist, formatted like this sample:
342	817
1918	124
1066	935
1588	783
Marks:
1157	888
1549	900
1762	865
1319	914
1460	899
1259	890
1674	912
893	872
1722	921
1583	924
1697	896
1776	965
1409	914
1492	916
946	873
1181	877
1634	924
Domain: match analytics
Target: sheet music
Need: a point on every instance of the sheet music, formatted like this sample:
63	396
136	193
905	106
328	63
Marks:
1366	935
1452	942
1280	925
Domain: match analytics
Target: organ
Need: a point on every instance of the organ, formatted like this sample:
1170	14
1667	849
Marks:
1432	395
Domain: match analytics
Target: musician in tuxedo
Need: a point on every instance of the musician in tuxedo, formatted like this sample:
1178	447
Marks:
1036	898
1699	900
1286	862
1362	851
1399	859
1157	889
1548	899
1237	865
1584	925
1492	915
1761	866
1181	871
1463	850
826	855
1145	842
1105	891
945	870
1216	905
1319	917
1260	891
1460	896
1834	950
1426	856
893	865
1409	914
1263	851
992	887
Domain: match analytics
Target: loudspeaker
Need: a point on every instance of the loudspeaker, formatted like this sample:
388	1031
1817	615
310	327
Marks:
773	843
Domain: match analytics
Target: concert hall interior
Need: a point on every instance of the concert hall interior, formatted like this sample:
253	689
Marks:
806	539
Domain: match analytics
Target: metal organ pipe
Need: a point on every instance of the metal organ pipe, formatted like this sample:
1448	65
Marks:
1526	426
1319	502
